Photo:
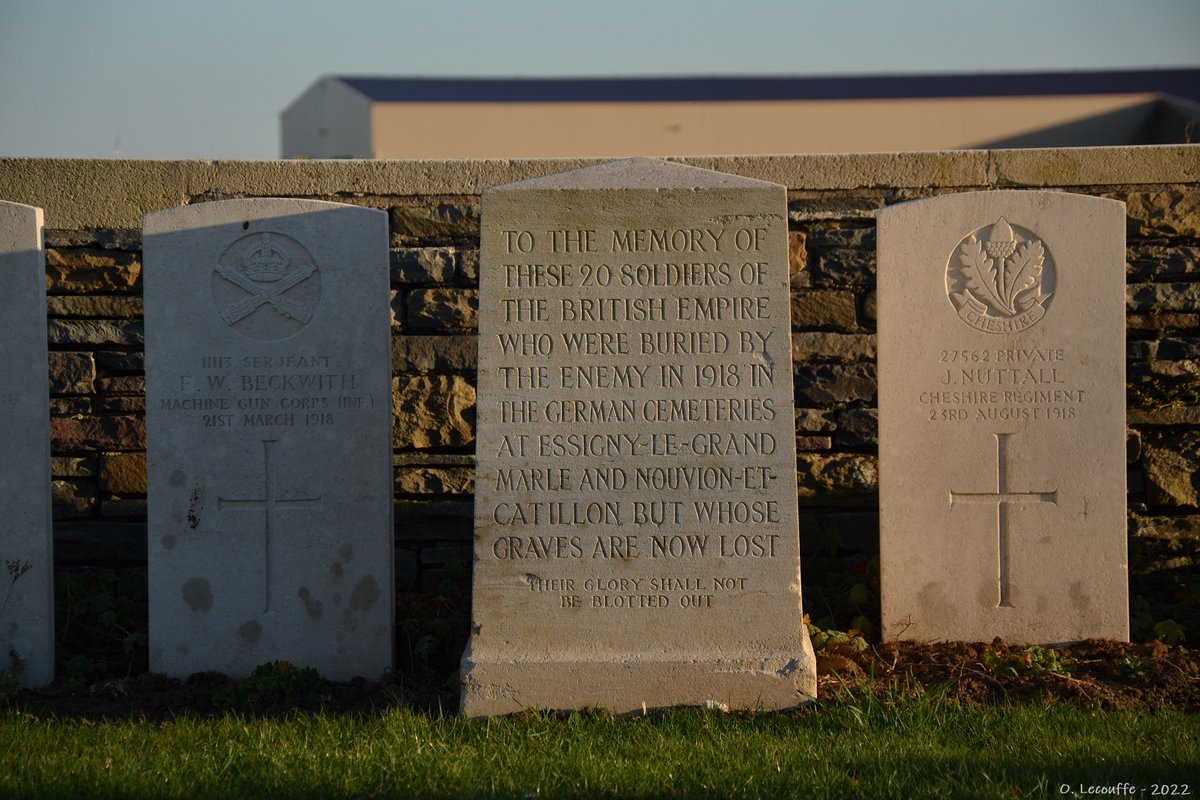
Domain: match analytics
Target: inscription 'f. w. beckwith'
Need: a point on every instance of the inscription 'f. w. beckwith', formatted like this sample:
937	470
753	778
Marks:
269	504
1001	498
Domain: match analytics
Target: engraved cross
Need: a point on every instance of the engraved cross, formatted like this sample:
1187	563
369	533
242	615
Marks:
268	503
1002	498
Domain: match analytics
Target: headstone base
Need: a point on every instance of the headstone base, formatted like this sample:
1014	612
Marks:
497	683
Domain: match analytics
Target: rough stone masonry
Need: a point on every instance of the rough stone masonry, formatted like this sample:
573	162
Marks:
94	254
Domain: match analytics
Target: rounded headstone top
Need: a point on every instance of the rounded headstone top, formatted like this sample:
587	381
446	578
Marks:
637	173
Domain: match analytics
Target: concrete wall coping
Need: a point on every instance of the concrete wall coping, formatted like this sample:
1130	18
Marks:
108	193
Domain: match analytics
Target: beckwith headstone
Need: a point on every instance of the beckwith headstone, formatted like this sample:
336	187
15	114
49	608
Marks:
26	543
1002	418
635	510
269	425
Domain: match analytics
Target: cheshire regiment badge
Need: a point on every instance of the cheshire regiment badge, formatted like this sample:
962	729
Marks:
1000	278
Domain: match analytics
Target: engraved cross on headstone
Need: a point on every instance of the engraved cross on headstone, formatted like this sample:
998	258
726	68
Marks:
269	503
1002	497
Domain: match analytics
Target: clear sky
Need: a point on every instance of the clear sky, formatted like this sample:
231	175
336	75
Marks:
208	78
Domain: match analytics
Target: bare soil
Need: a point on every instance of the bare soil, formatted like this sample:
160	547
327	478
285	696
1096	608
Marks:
1105	674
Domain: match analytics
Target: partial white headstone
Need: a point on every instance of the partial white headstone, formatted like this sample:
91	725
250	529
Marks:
1002	418
635	506
269	436
26	543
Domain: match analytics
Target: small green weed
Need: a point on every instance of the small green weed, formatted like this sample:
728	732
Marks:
1026	662
823	638
1170	614
78	670
103	615
433	627
1169	631
844	593
273	683
1134	665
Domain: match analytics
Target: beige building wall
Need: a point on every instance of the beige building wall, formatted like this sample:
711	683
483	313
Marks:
564	130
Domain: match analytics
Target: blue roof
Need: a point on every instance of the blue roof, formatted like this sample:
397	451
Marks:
1183	83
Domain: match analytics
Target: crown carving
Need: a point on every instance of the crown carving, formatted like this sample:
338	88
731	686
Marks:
266	262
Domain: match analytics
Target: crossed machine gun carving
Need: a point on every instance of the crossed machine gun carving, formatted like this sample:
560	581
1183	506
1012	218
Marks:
266	284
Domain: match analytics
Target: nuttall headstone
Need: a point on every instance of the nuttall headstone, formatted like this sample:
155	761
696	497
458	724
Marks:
26	542
636	535
1002	418
269	437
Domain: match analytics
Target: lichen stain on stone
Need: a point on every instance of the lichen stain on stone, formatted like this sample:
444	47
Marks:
932	602
249	632
987	596
312	606
194	505
198	594
346	552
177	478
365	594
336	570
788	668
1080	601
168	542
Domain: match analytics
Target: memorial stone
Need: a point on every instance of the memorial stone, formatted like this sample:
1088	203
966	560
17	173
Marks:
1002	418
26	543
636	536
269	437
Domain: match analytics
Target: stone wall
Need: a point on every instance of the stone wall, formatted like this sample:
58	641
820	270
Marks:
93	241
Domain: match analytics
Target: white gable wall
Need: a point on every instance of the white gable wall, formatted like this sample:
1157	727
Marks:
330	120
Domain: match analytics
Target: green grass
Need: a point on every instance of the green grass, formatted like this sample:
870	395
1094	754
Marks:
860	747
